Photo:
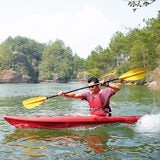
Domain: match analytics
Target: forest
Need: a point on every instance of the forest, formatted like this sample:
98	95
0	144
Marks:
54	61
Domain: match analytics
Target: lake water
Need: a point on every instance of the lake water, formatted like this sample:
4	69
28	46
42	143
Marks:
140	141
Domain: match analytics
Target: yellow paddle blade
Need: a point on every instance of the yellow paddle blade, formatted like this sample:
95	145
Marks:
133	75
33	102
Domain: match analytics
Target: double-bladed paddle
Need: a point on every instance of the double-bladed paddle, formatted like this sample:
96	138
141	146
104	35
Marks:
131	75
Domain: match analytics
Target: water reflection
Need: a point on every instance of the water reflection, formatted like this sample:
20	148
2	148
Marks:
41	143
105	141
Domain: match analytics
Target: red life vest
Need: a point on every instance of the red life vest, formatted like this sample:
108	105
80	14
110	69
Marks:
96	107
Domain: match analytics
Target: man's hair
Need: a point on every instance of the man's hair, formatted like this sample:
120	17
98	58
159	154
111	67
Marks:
93	79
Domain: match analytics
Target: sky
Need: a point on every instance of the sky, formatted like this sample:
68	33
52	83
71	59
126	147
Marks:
81	24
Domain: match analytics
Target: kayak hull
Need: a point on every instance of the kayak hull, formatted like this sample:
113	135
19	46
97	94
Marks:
63	122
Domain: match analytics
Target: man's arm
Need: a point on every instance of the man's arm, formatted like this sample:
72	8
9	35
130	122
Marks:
71	95
114	87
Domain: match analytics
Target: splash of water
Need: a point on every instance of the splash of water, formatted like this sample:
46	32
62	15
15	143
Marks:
149	123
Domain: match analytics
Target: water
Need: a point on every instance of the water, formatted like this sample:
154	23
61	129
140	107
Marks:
118	141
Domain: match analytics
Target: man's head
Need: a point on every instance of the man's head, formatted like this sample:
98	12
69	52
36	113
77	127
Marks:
91	82
93	79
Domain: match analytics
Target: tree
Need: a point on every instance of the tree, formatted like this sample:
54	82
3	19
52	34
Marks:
135	4
78	65
98	62
6	57
57	62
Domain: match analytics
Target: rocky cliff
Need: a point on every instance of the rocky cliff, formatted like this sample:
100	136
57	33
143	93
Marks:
20	72
154	78
13	76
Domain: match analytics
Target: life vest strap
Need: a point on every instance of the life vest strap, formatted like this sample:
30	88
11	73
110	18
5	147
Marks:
95	109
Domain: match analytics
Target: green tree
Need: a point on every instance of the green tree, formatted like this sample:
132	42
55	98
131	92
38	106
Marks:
57	62
6	57
98	62
78	65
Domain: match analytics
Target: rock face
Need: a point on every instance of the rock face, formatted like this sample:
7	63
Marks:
154	85
154	79
12	76
21	72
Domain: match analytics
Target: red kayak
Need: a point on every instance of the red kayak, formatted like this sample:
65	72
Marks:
63	122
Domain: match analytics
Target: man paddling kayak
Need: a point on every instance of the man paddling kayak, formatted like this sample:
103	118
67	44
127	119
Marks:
98	99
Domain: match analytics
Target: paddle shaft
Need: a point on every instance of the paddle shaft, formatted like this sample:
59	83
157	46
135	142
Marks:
131	75
84	87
